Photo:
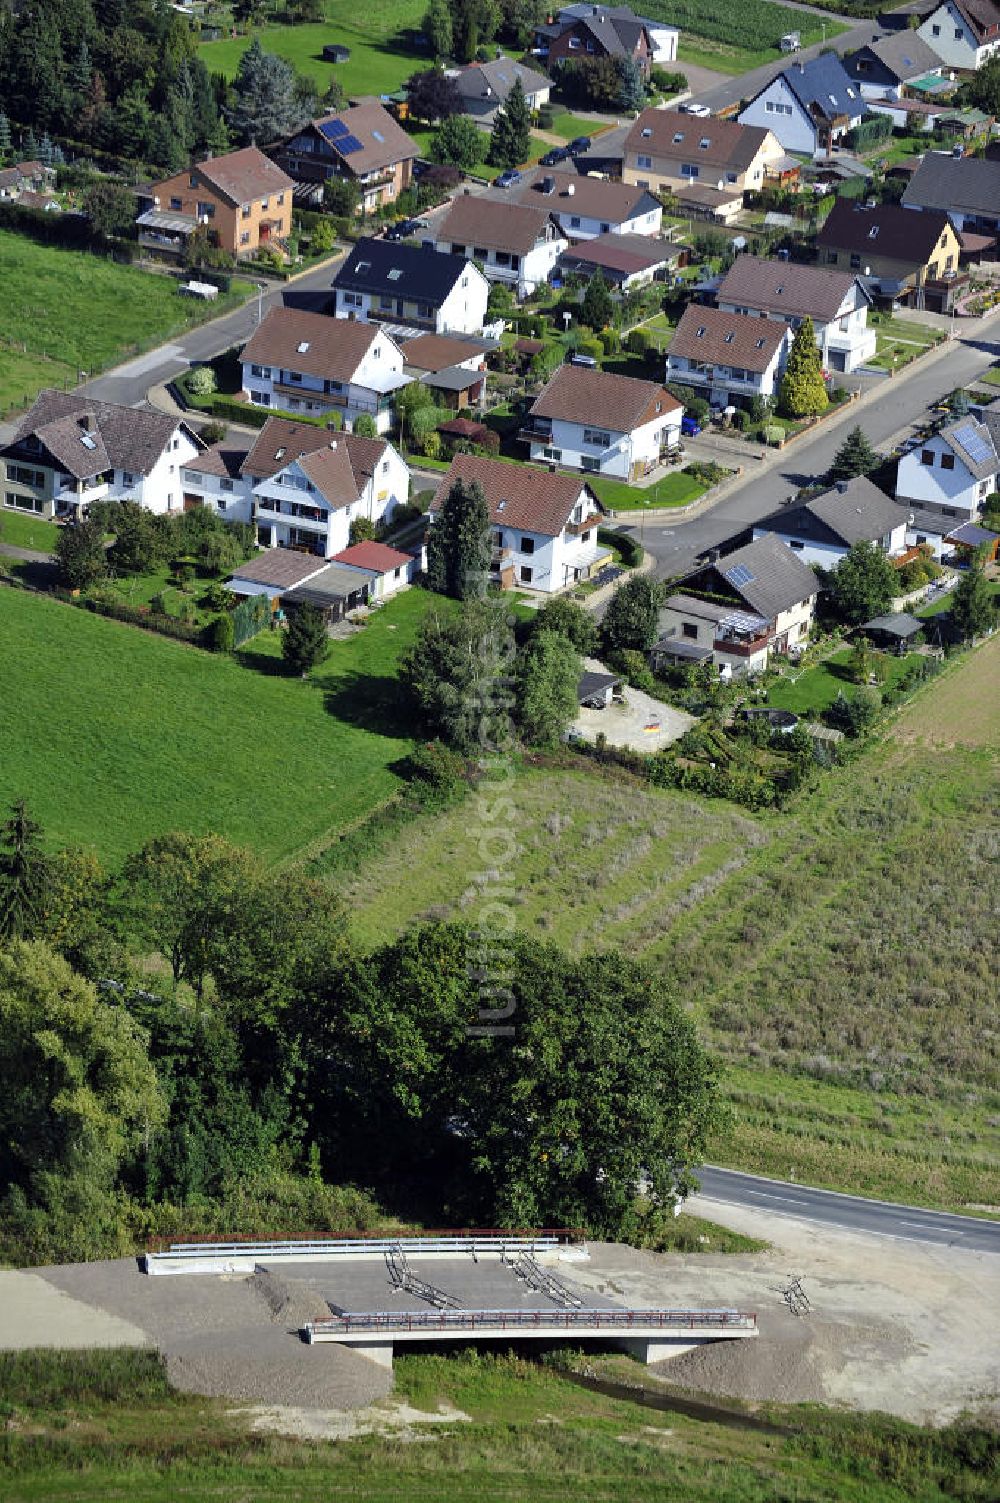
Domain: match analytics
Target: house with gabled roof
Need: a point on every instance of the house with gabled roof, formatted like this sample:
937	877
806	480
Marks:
822	529
728	358
385	570
901	257
484	87
945	479
543	525
387	280
885	65
787	292
515	243
738	610
670	151
596	31
307	362
70	450
967	189
586	207
302	486
243	200
963	33
809	106
602	423
362	143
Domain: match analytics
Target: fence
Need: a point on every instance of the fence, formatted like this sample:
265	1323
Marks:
250	617
588	1321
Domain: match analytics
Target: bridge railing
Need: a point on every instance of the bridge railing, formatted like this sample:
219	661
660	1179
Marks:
453	1237
376	1322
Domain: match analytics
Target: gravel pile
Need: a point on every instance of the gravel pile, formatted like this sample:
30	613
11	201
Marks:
266	1366
289	1302
783	1371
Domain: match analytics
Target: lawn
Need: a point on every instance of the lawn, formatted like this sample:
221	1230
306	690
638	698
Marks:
66	311
381	58
25	530
991	377
568	126
106	1425
814	689
675	489
537	149
114	734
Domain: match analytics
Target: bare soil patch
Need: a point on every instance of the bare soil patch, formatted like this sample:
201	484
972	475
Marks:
962	709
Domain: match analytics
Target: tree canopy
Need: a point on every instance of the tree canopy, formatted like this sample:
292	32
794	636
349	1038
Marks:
802	392
862	585
266	102
458	143
548	673
973	603
630	621
458	545
854	457
510	139
456	670
304	642
597	308
432	95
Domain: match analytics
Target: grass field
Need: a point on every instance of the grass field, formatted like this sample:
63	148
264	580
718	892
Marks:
66	311
113	734
23	530
106	1426
837	957
675	489
815	689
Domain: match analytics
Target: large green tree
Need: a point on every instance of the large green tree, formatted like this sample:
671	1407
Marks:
973	603
438	28
510	139
548	676
862	585
458	545
854	457
597	308
305	642
265	104
572	620
630	621
802	392
81	557
458	670
458	143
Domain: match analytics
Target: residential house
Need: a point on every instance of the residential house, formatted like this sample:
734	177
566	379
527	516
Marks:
741	609
901	256
26	177
242	200
886	65
668	151
967	189
625	261
911	115
604	424
662	39
452	367
782	290
362	144
70	450
386	570
964	33
945	480
728	358
214	479
543	525
307	362
823	528
595	31
411	285
308	485
810	106
517	244
484	87
290	579
586	207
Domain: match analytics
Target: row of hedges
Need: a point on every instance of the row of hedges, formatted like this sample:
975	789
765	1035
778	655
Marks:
71	231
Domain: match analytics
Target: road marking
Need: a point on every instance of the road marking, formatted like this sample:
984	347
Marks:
925	1226
785	1199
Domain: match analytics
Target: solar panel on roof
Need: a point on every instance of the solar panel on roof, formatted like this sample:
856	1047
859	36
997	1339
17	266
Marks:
349	144
973	443
739	575
333	129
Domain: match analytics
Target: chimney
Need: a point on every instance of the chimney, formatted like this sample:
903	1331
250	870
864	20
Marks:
333	444
85	423
842	486
548	185
570	189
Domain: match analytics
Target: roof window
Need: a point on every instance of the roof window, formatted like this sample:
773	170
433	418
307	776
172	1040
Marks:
646	131
379	137
678	136
760	344
279	453
88	441
700	332
873	232
300	349
394	275
704	143
728	338
362	267
501	505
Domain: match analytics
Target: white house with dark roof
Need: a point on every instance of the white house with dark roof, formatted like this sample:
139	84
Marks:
967	189
516	243
810	106
884	66
945	480
963	33
729	358
586	207
543	525
484	87
362	144
215	479
69	451
307	362
786	292
602	423
384	280
822	529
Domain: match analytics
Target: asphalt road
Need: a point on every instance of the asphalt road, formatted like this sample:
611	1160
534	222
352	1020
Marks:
746	85
898	404
880	1217
130	383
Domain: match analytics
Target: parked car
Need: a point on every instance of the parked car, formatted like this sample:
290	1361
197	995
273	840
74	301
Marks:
701	110
690	427
403	228
508	179
555	156
578	147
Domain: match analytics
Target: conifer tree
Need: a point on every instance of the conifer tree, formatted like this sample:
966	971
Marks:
854	457
597	309
803	393
510	141
458	547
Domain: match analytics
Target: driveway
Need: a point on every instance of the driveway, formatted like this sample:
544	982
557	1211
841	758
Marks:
641	722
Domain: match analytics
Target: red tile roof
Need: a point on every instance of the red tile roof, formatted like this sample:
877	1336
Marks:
735	339
519	495
311	343
578	395
378	557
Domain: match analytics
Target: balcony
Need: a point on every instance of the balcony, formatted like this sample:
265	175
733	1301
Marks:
311	394
535	431
742	647
574	529
285	511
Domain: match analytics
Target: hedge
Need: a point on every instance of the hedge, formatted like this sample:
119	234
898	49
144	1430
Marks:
137	615
71	231
629	548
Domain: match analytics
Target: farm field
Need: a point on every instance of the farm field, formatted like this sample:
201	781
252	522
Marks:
113	734
837	957
66	311
107	1425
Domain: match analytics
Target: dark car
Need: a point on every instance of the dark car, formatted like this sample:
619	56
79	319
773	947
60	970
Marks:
579	146
508	179
403	228
555	156
690	427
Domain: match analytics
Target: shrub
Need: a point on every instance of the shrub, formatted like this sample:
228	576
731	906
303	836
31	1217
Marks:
364	425
773	434
610	341
589	344
222	634
212	433
666	82
201	381
435	772
638	342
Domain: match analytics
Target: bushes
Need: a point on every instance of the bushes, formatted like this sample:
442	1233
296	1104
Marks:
666	82
629	547
138	615
638	342
222	633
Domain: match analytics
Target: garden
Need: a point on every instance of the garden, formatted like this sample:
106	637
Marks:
900	340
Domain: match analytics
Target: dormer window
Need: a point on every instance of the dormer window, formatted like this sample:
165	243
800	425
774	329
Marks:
873	232
678	137
760	344
704	143
728	338
700	332
646	131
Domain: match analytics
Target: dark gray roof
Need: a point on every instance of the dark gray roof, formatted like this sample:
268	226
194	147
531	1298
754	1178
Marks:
976	444
679	647
821	86
334	583
768	576
857	512
884	230
595	683
410	271
496	79
961	185
896	624
972	535
903	53
87	436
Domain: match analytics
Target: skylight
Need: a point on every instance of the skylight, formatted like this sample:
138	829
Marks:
699	333
379	137
362	267
833	99
394	275
501	505
87	441
300	349
645	131
279	453
704	143
760	344
728	338
873	232
678	136
779	289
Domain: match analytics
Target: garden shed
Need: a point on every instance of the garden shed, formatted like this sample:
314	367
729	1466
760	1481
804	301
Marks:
336	52
894	632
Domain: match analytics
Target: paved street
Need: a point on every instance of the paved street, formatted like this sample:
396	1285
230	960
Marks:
784	1198
746	85
897	405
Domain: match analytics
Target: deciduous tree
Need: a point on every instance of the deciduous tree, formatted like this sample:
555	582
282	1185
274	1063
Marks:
548	676
862	585
630	621
80	554
459	143
459	671
572	620
432	95
24	876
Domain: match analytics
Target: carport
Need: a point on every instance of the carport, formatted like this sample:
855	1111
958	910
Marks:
335	591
